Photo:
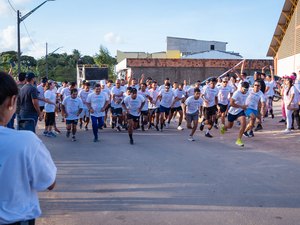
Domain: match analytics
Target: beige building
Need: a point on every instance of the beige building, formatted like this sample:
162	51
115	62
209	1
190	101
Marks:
285	44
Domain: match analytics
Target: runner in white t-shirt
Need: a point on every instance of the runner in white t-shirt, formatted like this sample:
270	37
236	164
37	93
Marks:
236	112
154	106
71	109
117	95
133	105
97	103
192	107
166	100
85	114
50	98
144	113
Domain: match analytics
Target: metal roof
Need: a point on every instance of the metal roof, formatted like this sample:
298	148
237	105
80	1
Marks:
282	25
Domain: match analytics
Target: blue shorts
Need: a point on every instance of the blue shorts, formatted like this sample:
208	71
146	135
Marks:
163	109
232	118
248	112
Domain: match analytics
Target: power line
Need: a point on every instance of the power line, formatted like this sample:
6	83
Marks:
33	44
11	6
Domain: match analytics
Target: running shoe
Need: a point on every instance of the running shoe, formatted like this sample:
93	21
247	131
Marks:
51	134
179	128
239	142
286	131
208	135
112	125
222	130
86	128
80	126
157	127
259	127
201	126
191	138
73	138
216	126
45	133
119	128
96	140
246	134
251	133
131	141
167	125
281	121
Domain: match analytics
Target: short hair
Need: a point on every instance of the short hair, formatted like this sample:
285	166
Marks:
87	84
97	85
73	84
74	91
133	91
8	87
144	84
213	79
21	76
129	89
168	84
197	90
245	84
109	81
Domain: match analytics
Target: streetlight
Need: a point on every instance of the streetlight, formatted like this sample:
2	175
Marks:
46	58
19	20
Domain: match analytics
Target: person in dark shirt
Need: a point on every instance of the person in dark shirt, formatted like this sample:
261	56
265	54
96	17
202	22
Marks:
29	105
258	76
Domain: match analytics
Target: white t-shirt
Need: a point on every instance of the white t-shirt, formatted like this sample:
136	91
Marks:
41	92
253	99
179	94
193	105
133	105
224	94
166	98
210	95
155	102
83	96
145	94
72	107
26	168
116	91
51	97
65	92
240	99
271	85
97	103
59	90
287	97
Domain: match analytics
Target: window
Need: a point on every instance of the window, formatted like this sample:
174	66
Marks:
212	47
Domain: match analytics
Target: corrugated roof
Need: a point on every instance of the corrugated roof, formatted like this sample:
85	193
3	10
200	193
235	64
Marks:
282	25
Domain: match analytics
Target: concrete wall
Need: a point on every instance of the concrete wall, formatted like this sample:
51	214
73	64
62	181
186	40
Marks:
189	69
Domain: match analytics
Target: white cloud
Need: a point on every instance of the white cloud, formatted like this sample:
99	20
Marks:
4	8
8	38
112	38
7	10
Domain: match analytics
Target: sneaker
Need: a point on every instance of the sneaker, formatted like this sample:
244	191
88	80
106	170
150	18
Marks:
216	126
157	127
80	126
51	134
191	138
201	126
119	128
208	135
239	142
167	125
45	133
281	121
251	133
179	128
272	116
131	141
112	125
104	125
286	131
259	127
143	128
222	130
86	128
73	138
96	140
68	134
246	134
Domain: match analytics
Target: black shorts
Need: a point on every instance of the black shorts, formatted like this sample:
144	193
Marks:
176	109
134	118
232	117
165	110
144	113
116	111
68	122
223	108
210	111
50	118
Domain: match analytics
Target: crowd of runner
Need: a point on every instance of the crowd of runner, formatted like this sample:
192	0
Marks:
144	104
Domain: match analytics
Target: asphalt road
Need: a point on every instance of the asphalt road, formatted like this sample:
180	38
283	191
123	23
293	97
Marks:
165	179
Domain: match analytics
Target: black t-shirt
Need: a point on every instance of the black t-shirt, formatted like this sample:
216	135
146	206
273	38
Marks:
27	93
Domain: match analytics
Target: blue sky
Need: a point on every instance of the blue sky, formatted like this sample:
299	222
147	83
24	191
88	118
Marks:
132	25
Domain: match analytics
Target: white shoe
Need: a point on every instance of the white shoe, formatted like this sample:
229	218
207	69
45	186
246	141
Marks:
167	125
179	128
191	138
286	131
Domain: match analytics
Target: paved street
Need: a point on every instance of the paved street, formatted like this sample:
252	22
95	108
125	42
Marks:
164	179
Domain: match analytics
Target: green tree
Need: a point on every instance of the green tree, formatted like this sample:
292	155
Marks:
103	58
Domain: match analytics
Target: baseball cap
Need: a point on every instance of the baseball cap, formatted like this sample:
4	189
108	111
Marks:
30	75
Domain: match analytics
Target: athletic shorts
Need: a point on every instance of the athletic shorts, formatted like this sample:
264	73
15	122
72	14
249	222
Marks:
85	113
144	113
134	118
68	122
248	112
210	111
116	111
192	117
223	108
165	110
232	118
153	111
176	109
50	118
